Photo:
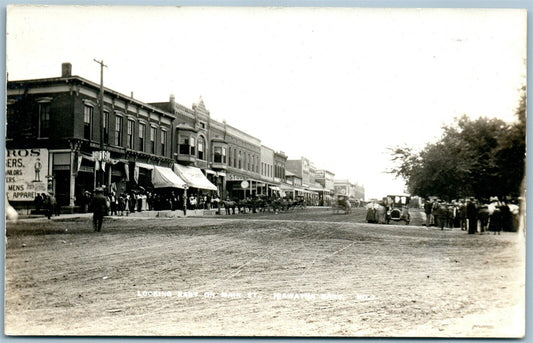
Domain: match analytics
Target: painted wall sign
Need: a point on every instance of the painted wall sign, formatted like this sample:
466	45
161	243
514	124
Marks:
26	173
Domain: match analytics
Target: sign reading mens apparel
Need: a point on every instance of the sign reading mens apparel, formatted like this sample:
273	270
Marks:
26	173
194	177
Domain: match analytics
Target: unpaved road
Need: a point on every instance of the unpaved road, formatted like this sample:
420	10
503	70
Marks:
306	273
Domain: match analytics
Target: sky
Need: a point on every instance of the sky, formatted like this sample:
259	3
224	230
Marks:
336	85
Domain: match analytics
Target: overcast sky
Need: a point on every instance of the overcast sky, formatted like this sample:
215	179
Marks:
337	86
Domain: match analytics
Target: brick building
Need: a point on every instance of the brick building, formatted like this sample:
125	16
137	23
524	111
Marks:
60	116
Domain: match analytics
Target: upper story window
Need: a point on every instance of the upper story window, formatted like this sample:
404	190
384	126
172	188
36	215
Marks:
118	130
131	128
87	121
106	127
240	159
201	146
163	142
235	158
219	154
152	139
187	145
44	120
142	136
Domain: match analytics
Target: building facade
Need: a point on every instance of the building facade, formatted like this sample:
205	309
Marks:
68	135
84	146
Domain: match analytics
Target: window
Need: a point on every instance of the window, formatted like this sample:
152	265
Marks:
224	155
201	148
44	120
142	136
118	130
217	155
235	158
163	142
131	125
152	139
184	145
106	127
193	145
240	160
248	162
87	121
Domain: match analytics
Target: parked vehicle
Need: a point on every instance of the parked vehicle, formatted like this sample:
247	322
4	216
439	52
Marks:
398	208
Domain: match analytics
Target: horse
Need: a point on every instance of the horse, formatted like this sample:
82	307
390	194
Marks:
228	206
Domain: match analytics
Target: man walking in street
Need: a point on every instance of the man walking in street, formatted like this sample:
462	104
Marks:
99	208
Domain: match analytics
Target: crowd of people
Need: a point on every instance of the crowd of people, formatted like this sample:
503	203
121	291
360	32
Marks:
473	215
149	200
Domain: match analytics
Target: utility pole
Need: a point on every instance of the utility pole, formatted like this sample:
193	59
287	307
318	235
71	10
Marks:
101	108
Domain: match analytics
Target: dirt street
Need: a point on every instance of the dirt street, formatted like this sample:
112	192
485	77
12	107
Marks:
305	273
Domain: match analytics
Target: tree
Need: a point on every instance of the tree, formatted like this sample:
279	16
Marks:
481	158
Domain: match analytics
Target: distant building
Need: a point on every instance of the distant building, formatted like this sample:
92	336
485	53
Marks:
354	191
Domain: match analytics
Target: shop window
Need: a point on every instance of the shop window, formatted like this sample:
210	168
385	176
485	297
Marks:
118	130
44	120
87	121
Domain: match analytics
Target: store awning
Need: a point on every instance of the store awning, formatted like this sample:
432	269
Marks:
145	165
274	188
194	177
286	187
164	177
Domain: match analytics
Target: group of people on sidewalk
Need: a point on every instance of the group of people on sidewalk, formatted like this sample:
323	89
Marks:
472	215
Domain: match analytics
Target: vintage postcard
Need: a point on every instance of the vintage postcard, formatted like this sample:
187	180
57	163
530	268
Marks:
256	171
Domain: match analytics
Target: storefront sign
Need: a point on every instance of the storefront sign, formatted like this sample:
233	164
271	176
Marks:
26	173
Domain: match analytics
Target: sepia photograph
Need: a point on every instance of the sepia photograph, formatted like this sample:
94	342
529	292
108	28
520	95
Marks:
211	171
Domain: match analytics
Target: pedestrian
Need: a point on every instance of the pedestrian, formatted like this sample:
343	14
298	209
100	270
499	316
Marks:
428	208
471	215
47	206
99	208
462	215
38	201
56	210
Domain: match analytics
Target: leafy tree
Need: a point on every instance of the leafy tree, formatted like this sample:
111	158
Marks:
481	157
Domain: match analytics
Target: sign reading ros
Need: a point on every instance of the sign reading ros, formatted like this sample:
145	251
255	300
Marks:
26	171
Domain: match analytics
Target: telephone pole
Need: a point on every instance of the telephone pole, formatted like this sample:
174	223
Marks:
101	108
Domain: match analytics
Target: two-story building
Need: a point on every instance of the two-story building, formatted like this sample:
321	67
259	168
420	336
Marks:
83	141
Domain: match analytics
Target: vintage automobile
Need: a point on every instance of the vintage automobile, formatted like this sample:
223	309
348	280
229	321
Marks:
398	208
342	203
